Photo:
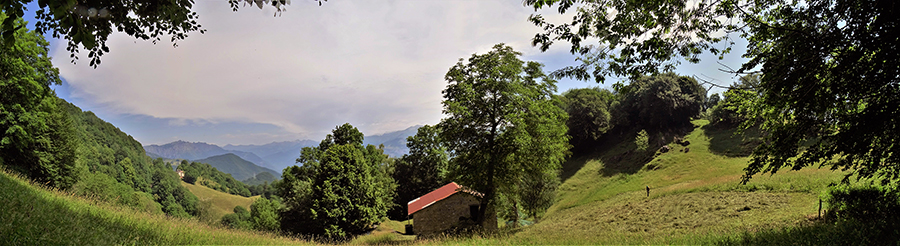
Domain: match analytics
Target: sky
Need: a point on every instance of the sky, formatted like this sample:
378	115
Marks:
254	78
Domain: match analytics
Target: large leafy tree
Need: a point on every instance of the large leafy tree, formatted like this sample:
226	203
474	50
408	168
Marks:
589	117
501	124
88	23
341	190
830	68
664	101
421	171
36	137
739	100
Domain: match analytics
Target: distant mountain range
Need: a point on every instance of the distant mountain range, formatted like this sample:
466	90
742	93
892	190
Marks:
394	142
239	168
274	156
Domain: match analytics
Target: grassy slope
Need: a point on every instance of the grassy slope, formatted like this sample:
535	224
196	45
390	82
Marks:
35	216
695	199
220	203
695	196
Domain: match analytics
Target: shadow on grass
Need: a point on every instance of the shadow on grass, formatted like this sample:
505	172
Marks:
619	153
821	233
726	141
615	149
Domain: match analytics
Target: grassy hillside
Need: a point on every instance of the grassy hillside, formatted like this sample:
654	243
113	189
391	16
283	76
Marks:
695	196
35	216
219	203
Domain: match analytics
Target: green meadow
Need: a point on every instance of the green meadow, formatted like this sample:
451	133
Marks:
695	198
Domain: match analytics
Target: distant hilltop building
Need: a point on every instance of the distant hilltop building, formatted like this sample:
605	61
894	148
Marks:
180	174
445	208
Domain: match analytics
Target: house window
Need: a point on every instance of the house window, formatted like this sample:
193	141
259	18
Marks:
473	212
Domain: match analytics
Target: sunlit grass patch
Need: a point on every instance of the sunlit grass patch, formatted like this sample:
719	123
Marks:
219	203
695	197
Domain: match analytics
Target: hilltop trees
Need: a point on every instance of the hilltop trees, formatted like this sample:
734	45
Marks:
738	102
589	115
501	125
829	68
341	190
662	101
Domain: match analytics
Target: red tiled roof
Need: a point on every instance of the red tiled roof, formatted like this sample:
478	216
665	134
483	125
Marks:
434	196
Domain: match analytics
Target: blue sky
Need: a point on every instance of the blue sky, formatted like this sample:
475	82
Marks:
254	78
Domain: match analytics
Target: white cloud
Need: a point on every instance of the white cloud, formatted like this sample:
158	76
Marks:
376	64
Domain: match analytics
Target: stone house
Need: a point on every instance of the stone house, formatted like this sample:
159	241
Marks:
444	208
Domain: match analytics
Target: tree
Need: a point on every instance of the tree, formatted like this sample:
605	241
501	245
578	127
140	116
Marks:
421	171
537	191
589	117
500	124
88	23
739	99
175	199
240	219
36	137
341	190
663	101
264	214
830	68
712	101
642	141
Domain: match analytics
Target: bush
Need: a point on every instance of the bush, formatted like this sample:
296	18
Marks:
870	213
264	214
642	141
240	219
865	204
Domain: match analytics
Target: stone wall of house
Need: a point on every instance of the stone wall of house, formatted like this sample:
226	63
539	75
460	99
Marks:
443	214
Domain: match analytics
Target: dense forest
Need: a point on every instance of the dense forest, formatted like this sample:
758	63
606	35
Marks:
57	144
118	169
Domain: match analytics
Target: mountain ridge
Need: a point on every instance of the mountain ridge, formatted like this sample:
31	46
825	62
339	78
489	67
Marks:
233	164
275	155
